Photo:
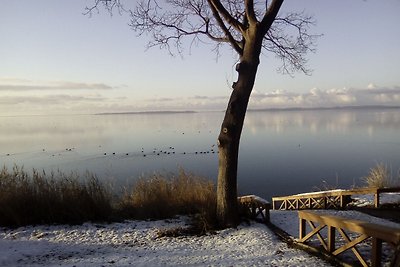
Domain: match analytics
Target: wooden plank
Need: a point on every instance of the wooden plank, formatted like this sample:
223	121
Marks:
331	199
360	191
388	190
331	238
319	236
302	228
376	200
314	231
376	252
351	245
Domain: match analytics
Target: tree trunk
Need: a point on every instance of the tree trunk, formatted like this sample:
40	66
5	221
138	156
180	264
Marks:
229	138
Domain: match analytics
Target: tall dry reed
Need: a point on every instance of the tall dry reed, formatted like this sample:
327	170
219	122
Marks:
381	176
163	196
59	198
38	198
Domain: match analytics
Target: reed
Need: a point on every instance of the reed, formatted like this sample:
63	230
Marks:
381	176
57	198
163	196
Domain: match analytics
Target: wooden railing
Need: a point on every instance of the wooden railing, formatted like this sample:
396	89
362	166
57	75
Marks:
363	230
255	207
333	199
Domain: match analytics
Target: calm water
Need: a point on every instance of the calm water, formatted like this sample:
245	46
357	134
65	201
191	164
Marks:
282	152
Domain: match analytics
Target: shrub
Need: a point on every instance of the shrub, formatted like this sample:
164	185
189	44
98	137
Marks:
59	198
381	176
162	196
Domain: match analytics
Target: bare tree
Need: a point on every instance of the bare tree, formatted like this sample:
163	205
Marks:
249	27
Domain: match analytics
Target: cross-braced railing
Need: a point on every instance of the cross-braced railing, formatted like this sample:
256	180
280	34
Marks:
255	207
332	199
337	235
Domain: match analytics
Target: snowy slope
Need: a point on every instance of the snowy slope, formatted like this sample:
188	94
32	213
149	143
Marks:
135	243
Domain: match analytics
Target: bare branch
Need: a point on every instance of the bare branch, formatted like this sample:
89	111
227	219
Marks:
235	44
289	39
169	22
109	5
270	15
226	15
250	14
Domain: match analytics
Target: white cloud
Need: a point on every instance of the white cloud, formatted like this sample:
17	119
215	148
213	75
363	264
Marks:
371	95
13	85
315	98
83	101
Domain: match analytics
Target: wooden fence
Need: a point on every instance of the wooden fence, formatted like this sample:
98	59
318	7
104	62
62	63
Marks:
333	199
255	207
363	230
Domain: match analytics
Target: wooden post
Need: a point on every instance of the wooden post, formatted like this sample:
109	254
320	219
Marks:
377	198
376	256
396	257
253	209
302	229
331	239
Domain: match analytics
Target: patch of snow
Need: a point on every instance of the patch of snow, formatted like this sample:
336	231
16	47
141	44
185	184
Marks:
319	192
135	243
389	198
257	198
368	200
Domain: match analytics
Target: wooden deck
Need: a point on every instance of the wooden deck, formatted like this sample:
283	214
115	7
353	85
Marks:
336	225
333	199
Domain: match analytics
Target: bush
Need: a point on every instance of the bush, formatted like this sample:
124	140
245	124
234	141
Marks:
162	196
58	198
381	176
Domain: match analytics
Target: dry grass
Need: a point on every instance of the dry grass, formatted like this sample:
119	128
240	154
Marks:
381	176
38	198
163	196
58	198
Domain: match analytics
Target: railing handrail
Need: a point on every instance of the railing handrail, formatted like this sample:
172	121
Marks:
386	233
334	198
360	191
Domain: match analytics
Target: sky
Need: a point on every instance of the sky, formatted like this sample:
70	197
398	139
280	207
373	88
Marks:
55	60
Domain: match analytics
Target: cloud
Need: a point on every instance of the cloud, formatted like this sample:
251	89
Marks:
26	102
48	100
10	84
161	99
314	98
371	95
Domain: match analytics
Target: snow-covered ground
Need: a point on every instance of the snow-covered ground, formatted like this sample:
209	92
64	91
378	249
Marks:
136	243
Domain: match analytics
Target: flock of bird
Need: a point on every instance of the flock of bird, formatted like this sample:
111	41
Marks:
154	152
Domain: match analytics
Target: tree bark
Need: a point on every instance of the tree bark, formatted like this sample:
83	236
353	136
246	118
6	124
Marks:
229	137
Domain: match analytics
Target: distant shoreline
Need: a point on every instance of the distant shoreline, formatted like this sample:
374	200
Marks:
159	112
253	110
145	112
326	108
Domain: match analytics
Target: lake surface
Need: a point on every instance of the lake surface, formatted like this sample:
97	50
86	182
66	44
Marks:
282	152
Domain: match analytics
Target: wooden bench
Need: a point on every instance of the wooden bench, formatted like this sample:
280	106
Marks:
255	207
364	231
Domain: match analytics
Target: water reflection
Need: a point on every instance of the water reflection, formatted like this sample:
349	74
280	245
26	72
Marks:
333	121
281	151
